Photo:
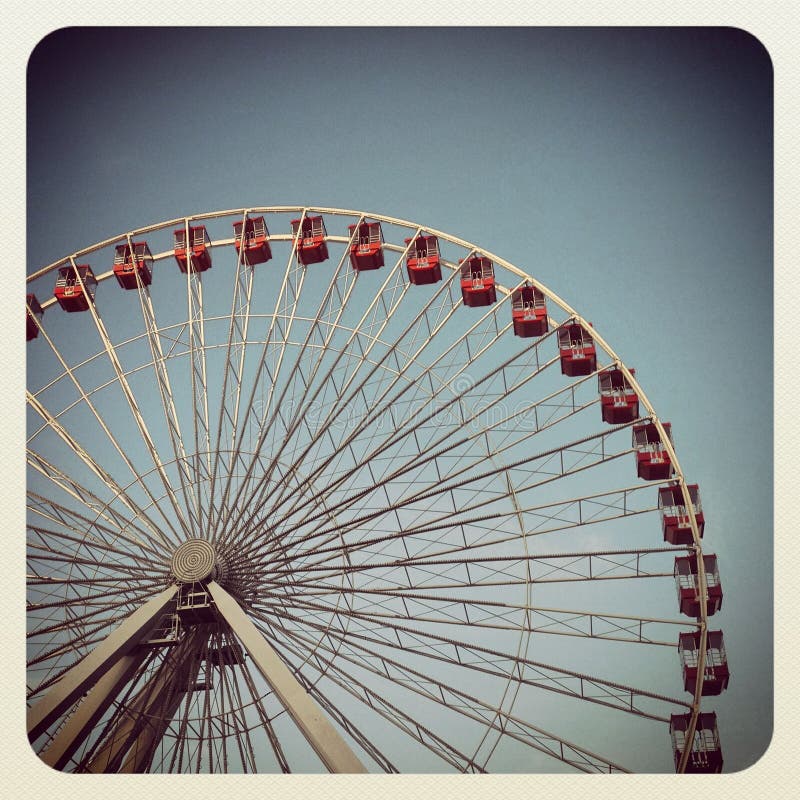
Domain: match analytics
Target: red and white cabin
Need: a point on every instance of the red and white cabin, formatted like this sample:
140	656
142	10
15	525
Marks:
70	294
310	234
33	311
652	461
197	253
688	584
528	312
674	515
256	240
422	261
576	350
618	401
366	248
477	281
715	670
705	754
128	261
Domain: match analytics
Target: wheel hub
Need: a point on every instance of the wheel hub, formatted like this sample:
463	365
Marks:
195	560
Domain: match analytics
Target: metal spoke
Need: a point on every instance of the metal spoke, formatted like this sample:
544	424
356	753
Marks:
110	484
286	305
197	374
133	405
340	403
166	396
426	736
233	372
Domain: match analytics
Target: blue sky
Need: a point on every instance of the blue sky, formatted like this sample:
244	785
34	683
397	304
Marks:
629	170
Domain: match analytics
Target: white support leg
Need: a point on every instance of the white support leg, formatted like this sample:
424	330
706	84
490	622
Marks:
85	673
82	721
307	715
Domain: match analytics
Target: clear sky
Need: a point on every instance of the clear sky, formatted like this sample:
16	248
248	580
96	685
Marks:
630	170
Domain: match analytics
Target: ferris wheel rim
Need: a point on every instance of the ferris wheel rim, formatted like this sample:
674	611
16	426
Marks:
677	477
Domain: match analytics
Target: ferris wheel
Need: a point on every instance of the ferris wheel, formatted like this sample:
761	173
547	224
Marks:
314	489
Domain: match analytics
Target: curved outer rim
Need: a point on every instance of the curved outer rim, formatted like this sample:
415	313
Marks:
304	210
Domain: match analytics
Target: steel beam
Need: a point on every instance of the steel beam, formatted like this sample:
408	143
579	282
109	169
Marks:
307	715
118	742
160	713
82	721
132	734
85	673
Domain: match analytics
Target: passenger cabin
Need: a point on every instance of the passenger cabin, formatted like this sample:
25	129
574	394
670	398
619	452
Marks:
256	248
652	461
618	401
366	245
197	254
576	350
422	261
477	281
130	260
528	312
705	754
688	585
70	294
310	233
715	669
33	311
675	516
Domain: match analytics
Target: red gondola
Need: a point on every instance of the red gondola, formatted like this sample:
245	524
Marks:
576	350
715	672
256	241
706	753
528	312
422	261
675	516
310	234
33	311
618	400
477	281
688	584
652	461
366	248
127	262
199	254
70	294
